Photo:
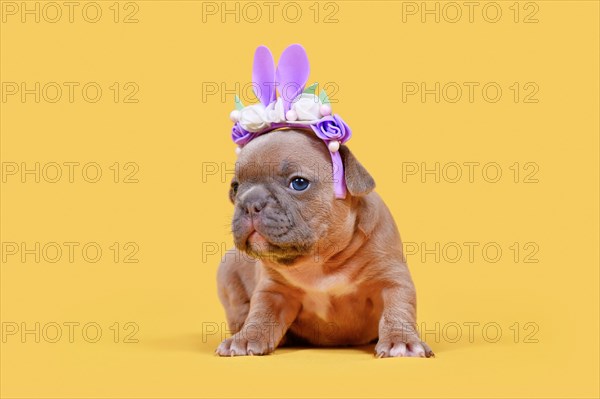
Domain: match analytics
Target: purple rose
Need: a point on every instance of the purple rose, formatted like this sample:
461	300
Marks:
240	136
332	128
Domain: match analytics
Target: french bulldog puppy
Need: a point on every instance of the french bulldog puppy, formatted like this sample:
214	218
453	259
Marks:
309	268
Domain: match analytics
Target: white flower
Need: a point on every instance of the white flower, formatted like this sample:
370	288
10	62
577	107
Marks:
307	107
254	117
275	112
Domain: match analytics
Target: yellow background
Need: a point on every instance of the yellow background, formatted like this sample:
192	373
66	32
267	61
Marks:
176	215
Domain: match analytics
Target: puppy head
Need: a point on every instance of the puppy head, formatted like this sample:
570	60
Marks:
284	197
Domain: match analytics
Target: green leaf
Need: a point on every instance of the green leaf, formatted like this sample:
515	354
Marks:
311	89
238	103
323	97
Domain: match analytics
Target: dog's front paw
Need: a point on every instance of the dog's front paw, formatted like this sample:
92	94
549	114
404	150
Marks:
395	347
239	345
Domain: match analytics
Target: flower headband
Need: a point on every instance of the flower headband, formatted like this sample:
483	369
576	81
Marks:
295	107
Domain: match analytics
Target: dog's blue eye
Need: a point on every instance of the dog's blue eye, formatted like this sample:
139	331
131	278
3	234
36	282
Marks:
299	184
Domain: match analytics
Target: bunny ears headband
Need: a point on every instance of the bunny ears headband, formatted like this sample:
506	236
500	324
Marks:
296	106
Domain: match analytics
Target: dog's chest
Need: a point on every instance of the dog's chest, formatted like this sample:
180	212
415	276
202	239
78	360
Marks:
320	288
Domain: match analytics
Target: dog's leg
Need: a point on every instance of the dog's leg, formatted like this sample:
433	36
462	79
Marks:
236	279
271	314
398	335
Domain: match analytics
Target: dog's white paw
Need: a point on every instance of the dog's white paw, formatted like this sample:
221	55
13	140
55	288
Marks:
398	348
238	345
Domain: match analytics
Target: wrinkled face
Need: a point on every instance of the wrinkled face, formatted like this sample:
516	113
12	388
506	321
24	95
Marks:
283	195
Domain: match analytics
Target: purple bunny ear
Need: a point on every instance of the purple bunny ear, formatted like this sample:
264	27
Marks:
292	73
263	75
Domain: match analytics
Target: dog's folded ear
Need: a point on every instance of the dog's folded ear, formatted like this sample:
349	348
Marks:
358	180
